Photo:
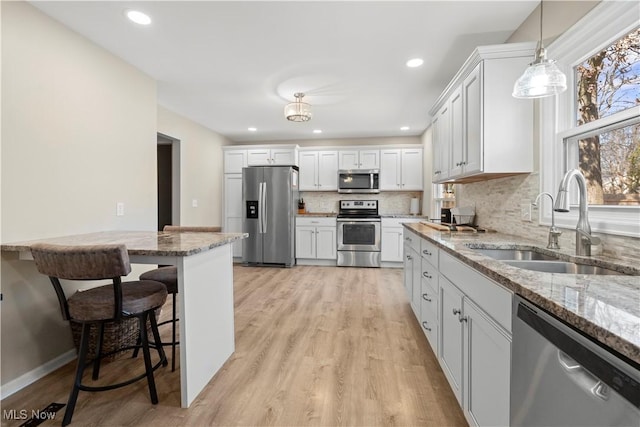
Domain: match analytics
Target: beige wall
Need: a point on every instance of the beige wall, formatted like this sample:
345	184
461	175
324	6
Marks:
201	165
78	135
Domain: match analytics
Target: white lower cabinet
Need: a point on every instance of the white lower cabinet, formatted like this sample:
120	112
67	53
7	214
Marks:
316	240
392	240
466	317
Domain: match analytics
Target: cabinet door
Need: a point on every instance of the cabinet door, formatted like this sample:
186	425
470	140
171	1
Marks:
487	369
369	159
233	208
408	271
234	161
258	156
456	125
391	244
348	159
473	132
411	169
305	242
326	245
308	175
441	145
450	346
327	170
429	313
283	156
416	290
390	172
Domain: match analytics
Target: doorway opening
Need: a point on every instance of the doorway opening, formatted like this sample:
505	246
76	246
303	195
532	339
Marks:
168	181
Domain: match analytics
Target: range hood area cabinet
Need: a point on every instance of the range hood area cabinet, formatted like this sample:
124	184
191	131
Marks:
480	131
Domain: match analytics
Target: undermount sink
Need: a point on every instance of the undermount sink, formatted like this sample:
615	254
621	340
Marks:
514	254
530	259
561	267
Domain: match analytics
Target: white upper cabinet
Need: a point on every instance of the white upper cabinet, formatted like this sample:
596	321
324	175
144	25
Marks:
480	131
401	169
359	159
234	160
261	156
318	170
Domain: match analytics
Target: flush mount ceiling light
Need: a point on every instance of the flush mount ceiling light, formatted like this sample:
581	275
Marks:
317	131
252	129
542	77
298	111
405	128
138	17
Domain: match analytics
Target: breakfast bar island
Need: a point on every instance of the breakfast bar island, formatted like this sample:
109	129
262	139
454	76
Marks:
205	285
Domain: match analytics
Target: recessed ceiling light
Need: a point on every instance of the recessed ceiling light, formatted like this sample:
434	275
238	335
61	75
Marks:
405	128
415	62
317	131
252	129
138	17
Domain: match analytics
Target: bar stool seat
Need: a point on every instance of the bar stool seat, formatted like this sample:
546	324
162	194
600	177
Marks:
102	304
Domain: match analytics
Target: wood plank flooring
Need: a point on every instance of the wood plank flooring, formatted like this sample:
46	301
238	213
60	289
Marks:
315	346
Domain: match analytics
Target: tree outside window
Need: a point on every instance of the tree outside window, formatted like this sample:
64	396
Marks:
607	83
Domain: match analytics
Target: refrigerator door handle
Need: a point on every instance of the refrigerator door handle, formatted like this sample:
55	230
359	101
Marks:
260	231
264	207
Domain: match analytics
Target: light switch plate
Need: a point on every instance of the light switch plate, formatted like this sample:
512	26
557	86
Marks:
119	209
194	203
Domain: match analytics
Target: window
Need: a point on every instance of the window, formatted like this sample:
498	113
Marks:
595	125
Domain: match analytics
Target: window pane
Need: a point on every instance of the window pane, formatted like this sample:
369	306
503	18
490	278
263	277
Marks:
610	161
609	81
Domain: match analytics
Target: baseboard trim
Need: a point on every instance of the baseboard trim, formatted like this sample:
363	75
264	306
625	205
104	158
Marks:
35	374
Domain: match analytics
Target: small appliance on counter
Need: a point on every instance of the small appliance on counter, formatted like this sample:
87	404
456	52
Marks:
445	216
359	233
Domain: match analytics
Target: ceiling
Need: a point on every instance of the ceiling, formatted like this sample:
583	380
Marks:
231	65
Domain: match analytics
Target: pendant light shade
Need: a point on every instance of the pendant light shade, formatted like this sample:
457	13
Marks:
298	111
542	77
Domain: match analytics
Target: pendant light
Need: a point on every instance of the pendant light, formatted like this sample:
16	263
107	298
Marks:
298	111
542	77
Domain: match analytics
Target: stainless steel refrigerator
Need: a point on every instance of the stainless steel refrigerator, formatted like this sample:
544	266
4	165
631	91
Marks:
269	204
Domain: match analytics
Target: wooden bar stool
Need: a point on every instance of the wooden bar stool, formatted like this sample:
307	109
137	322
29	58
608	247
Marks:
97	306
169	276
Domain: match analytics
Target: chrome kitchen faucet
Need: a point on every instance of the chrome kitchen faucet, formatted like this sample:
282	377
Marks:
584	238
554	233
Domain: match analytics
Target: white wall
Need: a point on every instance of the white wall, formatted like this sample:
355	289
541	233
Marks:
201	166
323	142
78	135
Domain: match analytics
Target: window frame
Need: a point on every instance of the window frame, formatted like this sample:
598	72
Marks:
603	25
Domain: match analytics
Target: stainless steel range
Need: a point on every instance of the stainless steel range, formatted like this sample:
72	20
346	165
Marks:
358	233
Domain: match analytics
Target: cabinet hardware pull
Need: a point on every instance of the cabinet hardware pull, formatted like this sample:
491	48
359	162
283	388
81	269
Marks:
425	297
426	252
424	325
409	257
426	274
463	318
456	311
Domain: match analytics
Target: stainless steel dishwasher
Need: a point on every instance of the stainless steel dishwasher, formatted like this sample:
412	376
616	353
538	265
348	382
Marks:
559	377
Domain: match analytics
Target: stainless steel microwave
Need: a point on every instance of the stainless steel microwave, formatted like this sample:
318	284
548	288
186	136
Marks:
359	181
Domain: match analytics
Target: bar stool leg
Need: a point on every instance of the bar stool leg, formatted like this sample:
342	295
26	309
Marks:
156	337
82	356
147	356
173	335
96	362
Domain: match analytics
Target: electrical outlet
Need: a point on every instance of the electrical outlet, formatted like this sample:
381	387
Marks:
194	203
525	210
119	209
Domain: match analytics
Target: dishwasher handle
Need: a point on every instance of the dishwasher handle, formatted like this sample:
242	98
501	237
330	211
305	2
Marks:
583	378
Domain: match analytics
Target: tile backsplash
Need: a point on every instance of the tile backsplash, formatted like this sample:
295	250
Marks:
497	204
390	202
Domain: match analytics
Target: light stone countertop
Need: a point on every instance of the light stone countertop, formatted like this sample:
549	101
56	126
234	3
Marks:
160	243
606	308
319	214
421	217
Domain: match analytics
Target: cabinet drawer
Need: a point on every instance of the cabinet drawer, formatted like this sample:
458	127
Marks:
429	273
315	221
412	239
491	297
429	252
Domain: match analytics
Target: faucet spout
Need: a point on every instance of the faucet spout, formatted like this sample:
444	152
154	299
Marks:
584	239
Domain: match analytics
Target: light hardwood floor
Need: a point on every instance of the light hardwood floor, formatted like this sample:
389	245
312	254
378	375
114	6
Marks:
315	346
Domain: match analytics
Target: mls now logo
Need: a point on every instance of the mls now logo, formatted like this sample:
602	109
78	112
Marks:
23	414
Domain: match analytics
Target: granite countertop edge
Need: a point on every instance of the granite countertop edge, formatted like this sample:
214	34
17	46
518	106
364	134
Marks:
538	287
